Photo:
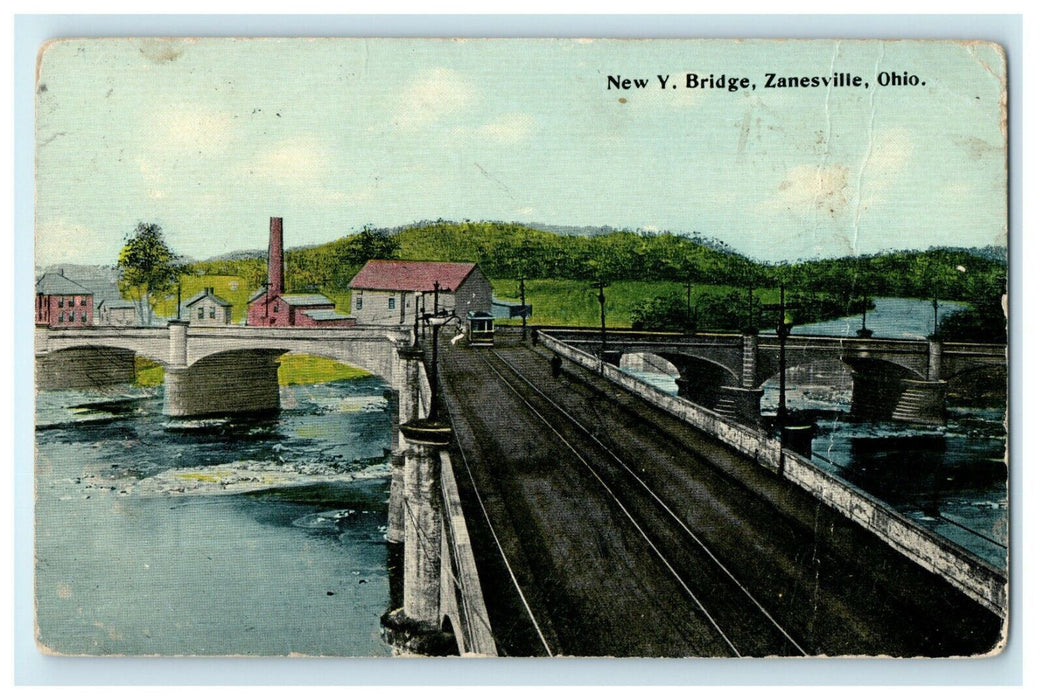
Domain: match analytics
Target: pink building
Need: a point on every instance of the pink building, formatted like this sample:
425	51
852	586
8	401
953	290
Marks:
62	303
270	306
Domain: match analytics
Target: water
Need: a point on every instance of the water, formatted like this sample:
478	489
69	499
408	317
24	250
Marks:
906	319
950	479
217	536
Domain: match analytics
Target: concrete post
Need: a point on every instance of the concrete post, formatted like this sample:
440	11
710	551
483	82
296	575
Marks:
422	549
178	331
934	360
749	372
407	412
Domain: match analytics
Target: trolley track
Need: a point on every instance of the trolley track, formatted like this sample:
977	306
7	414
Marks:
815	583
737	616
817	573
792	644
593	587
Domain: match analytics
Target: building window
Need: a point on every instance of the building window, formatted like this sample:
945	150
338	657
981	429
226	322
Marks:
83	301
213	312
391	302
200	313
358	302
61	303
83	317
61	317
275	308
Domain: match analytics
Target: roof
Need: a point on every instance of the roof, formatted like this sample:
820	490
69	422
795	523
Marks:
54	283
325	315
116	304
257	295
207	295
306	300
411	275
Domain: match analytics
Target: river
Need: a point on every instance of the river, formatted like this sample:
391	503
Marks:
221	536
952	479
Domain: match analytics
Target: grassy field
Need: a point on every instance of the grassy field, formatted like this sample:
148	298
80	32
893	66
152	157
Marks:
233	289
575	303
293	369
306	369
555	302
147	372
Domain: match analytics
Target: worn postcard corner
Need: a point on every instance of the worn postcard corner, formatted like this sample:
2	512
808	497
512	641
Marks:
515	347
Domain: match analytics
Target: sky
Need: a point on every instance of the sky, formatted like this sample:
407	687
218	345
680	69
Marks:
211	137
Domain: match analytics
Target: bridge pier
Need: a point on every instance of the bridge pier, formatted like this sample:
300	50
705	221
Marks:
409	410
882	397
740	403
416	626
890	395
241	382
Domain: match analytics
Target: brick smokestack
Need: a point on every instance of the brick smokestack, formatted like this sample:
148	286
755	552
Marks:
275	255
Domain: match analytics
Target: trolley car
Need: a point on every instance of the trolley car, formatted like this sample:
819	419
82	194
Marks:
480	329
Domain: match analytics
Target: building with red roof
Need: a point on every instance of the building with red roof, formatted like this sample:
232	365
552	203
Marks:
393	292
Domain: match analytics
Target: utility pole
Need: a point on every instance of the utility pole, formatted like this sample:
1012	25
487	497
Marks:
750	310
600	286
864	332
688	303
179	298
522	288
782	331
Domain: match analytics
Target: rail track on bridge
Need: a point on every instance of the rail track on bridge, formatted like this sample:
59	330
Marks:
731	561
693	568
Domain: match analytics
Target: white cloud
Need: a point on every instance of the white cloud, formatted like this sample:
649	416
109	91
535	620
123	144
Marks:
431	96
191	129
815	190
295	160
508	128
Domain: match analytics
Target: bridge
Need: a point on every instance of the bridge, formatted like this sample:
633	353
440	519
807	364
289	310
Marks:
578	514
210	370
904	380
230	369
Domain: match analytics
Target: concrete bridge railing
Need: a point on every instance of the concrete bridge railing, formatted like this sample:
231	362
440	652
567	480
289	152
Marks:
976	578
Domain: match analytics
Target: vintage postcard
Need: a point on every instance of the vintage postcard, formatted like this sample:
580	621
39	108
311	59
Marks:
567	348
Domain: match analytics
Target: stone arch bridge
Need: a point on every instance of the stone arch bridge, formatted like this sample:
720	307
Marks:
902	380
211	370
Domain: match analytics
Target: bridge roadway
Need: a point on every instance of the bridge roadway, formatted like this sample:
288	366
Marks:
616	530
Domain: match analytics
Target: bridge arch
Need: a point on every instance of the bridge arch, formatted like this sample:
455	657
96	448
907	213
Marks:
701	380
85	367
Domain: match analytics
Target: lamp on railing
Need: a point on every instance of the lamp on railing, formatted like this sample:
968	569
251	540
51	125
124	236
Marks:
436	320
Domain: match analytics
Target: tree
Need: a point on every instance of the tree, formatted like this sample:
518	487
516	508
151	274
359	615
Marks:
148	268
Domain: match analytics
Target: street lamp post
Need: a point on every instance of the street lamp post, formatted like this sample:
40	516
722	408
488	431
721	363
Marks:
688	303
864	332
782	331
600	286
522	288
436	320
